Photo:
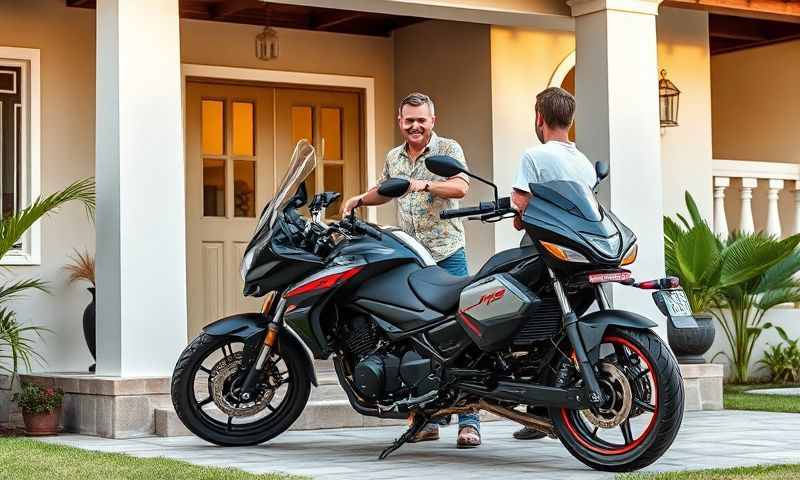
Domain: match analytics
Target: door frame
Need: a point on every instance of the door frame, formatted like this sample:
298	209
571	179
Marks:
299	79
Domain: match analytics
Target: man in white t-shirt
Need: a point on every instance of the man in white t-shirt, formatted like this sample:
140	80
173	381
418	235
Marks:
556	158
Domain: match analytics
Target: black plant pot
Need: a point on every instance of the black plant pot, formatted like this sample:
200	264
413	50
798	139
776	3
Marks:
689	344
89	328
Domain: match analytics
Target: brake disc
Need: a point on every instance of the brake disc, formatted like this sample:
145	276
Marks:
225	380
618	407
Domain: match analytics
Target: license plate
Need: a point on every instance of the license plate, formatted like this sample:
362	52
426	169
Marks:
674	304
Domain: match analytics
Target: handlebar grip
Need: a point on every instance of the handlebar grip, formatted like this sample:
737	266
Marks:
484	207
371	231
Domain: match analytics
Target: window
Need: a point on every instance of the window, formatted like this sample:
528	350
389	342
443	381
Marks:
19	144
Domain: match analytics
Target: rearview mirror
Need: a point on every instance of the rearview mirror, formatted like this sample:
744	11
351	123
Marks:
601	168
393	187
444	166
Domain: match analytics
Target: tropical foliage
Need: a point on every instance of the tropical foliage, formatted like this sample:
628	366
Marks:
783	359
81	268
16	340
737	279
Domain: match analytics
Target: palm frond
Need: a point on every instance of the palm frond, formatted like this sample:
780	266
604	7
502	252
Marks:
15	344
14	226
694	212
13	290
749	256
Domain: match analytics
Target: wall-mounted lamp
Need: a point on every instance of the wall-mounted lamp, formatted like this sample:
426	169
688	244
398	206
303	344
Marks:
668	101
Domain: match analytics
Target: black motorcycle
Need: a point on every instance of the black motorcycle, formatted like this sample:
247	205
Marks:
410	340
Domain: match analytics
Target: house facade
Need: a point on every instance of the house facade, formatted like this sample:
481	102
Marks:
186	130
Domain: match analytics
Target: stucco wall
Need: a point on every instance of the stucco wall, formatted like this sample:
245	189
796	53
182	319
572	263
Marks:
686	149
459	81
756	103
65	37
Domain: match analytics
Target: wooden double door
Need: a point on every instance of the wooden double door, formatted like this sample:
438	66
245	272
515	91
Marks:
239	139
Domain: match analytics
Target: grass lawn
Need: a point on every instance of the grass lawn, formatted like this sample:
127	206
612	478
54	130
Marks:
23	459
773	472
735	399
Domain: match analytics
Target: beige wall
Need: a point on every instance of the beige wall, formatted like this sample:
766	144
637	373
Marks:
65	37
756	104
454	71
686	149
229	44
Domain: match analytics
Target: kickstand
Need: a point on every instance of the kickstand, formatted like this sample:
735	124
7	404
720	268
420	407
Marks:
417	424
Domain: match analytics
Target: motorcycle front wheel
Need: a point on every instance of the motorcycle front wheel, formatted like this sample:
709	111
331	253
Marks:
205	392
644	407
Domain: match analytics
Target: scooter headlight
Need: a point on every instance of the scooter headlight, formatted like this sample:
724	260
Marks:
563	253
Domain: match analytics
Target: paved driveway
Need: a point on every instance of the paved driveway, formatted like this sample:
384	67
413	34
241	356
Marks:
707	439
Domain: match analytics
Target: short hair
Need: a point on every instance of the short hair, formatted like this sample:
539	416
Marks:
415	100
557	107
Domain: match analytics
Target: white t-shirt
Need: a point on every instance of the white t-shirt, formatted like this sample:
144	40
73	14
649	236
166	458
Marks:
554	161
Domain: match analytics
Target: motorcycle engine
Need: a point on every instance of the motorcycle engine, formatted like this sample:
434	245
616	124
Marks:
382	374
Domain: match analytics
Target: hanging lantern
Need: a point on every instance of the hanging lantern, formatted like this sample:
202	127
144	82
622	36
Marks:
669	101
267	44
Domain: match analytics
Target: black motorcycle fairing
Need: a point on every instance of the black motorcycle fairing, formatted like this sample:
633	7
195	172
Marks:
593	326
566	213
506	260
251	328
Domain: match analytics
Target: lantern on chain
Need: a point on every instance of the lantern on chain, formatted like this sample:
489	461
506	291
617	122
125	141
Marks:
668	100
267	44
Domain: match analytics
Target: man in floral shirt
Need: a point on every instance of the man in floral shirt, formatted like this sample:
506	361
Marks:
428	194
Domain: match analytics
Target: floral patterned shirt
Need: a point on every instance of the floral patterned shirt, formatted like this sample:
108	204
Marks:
419	211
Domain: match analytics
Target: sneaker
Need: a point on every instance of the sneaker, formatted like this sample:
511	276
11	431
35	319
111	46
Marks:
428	433
526	433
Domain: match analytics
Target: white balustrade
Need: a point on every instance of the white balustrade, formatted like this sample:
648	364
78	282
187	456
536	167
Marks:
774	176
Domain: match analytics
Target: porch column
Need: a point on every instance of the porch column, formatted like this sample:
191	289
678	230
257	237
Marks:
616	83
141	271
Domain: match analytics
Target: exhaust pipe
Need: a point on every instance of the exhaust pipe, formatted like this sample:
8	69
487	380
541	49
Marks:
535	422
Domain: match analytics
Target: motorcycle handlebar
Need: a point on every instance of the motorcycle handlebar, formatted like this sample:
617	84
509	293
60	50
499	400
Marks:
484	207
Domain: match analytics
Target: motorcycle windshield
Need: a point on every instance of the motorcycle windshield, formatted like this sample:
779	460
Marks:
303	162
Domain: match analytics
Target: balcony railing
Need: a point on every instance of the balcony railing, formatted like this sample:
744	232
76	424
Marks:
777	177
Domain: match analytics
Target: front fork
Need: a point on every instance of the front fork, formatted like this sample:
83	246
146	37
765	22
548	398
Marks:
270	340
591	385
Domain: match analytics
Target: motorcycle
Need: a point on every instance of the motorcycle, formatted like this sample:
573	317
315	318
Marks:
409	340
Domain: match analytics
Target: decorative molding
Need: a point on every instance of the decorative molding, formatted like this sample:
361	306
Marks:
562	70
367	84
755	169
586	7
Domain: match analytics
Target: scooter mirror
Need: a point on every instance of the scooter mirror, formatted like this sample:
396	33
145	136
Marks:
444	166
393	187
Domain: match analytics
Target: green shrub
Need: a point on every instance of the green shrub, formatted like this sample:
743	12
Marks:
33	399
783	359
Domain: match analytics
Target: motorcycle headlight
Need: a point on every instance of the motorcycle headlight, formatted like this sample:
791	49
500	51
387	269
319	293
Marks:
247	261
630	255
564	253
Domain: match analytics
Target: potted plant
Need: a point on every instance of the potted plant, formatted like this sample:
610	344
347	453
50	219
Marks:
82	270
41	408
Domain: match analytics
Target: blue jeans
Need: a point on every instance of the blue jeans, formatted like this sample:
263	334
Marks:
456	264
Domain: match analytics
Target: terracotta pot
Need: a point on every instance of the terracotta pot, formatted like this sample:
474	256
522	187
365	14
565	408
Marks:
42	423
689	344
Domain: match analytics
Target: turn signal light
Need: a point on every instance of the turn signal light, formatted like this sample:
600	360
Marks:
563	253
630	257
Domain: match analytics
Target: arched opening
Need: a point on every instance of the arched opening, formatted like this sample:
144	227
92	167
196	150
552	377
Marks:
564	77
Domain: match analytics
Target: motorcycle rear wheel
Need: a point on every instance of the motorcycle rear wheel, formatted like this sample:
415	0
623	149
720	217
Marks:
640	359
205	417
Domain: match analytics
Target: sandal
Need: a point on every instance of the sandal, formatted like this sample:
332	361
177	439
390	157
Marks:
468	437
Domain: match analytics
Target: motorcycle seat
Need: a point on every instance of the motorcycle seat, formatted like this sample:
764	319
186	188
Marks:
437	288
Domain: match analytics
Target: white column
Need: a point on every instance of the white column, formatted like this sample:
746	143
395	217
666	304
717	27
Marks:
617	95
746	216
773	213
796	188
141	257
720	220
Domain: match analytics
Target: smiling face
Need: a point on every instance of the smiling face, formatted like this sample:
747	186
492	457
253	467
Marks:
416	124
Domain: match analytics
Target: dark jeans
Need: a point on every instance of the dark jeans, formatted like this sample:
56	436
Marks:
456	264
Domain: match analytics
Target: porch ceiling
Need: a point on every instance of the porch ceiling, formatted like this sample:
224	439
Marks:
256	12
730	33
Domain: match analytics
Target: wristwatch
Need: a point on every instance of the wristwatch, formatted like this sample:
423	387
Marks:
427	187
